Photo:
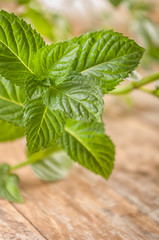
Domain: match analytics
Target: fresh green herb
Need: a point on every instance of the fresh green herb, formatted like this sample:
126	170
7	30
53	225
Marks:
54	94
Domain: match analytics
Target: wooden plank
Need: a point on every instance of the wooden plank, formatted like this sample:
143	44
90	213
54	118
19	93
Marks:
137	175
84	207
14	226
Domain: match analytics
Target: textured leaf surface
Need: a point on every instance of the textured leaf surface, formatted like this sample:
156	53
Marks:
43	126
77	98
87	144
9	132
35	89
52	168
54	62
18	43
107	57
11	102
9	185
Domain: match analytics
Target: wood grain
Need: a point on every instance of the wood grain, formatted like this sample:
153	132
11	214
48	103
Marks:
84	206
15	226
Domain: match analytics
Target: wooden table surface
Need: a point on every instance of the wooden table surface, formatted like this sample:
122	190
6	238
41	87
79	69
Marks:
84	206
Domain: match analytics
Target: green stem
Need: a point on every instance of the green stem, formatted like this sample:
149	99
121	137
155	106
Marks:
146	90
136	85
20	165
35	157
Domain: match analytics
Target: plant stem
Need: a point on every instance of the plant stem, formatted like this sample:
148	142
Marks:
146	90
136	85
35	157
20	165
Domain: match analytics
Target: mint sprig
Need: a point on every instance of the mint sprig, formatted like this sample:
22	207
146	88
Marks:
55	94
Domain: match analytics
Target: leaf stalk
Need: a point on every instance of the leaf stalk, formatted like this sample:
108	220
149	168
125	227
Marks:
35	158
136	85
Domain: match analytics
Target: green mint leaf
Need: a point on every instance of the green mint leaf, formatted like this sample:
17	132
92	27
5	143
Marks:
87	144
77	97
52	168
9	132
107	57
9	185
54	62
43	126
11	102
18	43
